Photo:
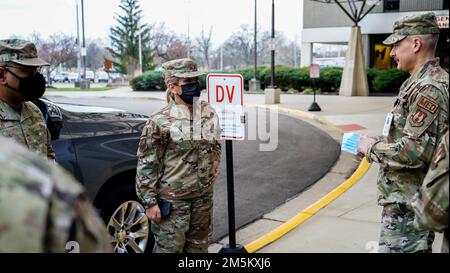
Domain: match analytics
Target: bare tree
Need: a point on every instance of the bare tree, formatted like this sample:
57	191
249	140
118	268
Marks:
95	55
58	49
204	47
238	49
167	45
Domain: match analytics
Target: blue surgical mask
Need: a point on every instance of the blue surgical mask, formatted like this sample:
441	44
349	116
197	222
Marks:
350	142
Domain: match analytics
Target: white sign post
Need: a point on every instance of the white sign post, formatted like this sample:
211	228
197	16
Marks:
314	73
226	95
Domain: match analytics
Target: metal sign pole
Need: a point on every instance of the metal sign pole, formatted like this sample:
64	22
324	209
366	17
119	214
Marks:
231	247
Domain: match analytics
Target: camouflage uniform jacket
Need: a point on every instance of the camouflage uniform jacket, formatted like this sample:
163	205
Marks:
430	204
42	207
420	118
27	127
172	165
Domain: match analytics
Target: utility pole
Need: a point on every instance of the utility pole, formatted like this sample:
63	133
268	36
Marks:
272	52
256	52
83	50
272	95
221	58
140	48
188	30
78	43
254	84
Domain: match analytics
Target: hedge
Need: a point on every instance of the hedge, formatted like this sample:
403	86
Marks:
289	78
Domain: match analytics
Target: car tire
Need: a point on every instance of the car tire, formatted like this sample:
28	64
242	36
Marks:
123	201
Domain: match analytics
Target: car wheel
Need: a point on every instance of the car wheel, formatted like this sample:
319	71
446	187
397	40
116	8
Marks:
126	221
129	228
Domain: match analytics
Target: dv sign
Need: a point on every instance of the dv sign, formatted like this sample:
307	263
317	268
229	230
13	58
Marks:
225	94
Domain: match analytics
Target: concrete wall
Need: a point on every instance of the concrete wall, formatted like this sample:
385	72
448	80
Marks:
316	14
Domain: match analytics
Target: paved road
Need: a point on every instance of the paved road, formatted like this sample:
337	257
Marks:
263	180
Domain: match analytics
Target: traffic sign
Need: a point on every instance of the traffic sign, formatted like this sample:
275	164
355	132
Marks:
226	95
314	71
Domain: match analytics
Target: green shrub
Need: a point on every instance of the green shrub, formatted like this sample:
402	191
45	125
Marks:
289	78
149	81
386	81
330	79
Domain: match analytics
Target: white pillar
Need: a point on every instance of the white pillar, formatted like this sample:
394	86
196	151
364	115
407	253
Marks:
366	49
354	77
306	54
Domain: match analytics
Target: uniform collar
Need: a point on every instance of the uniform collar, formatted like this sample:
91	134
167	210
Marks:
178	111
424	68
420	73
10	114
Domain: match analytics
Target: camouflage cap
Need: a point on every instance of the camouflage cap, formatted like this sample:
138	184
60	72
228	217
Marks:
20	52
181	68
413	25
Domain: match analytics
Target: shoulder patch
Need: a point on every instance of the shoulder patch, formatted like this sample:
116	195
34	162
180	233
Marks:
428	104
417	119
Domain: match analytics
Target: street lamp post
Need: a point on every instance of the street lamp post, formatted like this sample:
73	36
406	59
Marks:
188	30
85	83
254	84
271	93
78	44
140	50
272	51
256	44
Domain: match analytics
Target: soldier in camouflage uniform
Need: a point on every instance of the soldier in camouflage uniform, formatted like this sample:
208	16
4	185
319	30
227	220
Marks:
430	203
417	121
179	161
20	84
42	208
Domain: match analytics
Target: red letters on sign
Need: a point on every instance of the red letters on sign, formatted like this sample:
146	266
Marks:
217	93
230	96
220	94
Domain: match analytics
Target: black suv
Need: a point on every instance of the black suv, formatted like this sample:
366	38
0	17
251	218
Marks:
98	146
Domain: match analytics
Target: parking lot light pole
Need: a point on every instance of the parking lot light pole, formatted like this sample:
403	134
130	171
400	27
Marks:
272	51
140	50
78	44
83	52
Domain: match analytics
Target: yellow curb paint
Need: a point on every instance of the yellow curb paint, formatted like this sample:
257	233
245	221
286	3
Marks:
309	211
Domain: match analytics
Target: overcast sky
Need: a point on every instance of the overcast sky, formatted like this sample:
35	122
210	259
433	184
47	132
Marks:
23	17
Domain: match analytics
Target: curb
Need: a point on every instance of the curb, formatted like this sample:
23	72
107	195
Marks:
310	211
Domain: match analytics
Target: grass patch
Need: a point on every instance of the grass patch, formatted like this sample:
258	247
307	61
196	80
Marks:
78	89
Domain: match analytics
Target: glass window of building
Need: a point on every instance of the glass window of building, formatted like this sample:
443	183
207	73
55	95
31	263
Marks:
391	5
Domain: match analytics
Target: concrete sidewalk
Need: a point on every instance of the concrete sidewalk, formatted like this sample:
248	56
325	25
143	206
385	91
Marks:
351	222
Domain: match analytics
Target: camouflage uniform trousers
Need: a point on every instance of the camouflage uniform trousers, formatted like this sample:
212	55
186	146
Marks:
188	227
398	234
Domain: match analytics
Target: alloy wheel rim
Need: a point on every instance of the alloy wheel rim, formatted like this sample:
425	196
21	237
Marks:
128	228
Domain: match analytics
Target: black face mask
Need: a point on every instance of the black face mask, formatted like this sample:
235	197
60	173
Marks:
31	88
190	90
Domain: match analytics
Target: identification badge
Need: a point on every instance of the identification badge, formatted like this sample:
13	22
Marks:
387	124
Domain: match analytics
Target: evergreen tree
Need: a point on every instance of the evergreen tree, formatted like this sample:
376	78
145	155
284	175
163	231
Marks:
125	39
